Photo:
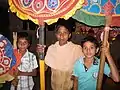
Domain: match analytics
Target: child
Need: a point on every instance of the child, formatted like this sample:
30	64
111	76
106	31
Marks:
28	63
60	57
86	68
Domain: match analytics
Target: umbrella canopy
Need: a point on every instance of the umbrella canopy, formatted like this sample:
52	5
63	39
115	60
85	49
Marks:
94	12
48	11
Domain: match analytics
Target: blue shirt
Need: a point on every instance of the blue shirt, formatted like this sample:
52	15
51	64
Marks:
87	80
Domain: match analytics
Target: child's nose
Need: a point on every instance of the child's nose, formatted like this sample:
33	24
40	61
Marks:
88	50
62	35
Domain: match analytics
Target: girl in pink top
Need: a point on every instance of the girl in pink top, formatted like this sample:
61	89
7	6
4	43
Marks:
61	57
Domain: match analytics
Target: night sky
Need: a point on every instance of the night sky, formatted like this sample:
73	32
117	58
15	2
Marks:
4	18
5	23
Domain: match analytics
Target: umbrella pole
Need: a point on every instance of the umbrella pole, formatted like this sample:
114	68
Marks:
41	59
102	60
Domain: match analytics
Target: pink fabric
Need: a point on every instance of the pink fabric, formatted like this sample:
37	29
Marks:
63	57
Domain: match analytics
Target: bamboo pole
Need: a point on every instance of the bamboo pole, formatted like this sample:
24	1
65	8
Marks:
41	59
102	57
15	47
102	61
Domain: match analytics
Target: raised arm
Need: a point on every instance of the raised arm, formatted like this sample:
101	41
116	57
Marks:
15	40
114	71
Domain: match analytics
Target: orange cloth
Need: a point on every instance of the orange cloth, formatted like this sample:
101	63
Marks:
18	57
18	61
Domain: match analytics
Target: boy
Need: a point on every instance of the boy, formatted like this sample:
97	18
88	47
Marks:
86	68
27	64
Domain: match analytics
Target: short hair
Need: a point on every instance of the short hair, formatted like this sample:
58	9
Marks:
90	39
24	35
64	25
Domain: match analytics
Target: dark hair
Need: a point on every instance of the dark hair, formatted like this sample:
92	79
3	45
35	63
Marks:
24	35
90	39
65	25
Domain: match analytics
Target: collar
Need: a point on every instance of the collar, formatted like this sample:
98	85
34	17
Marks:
95	62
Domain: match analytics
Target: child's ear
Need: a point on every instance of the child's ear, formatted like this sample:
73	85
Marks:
69	35
97	50
29	45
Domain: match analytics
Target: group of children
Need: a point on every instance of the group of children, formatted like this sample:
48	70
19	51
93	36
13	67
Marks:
72	65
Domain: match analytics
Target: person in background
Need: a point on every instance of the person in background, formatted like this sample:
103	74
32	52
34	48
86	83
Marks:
114	50
86	68
60	57
7	63
26	68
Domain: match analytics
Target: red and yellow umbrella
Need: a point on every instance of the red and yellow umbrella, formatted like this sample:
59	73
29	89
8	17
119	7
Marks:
40	11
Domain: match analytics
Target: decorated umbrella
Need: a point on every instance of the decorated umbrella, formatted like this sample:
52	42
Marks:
40	11
97	10
97	13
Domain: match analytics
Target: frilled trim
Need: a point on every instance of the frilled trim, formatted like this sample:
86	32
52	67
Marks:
87	18
23	16
69	14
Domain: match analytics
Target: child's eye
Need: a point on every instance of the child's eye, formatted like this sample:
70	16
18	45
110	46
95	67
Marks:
84	48
92	47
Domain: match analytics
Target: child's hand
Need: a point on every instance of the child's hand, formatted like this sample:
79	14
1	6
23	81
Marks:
14	39
106	49
40	48
14	35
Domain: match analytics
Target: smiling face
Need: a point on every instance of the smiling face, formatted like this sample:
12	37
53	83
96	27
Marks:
23	44
89	49
62	35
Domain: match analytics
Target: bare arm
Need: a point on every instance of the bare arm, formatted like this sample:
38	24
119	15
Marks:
114	71
75	83
33	73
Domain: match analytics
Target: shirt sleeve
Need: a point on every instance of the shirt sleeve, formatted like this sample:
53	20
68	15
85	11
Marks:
35	63
106	69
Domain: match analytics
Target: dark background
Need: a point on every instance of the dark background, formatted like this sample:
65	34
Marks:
4	18
9	22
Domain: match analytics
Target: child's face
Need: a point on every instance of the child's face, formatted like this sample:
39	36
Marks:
89	49
62	35
23	44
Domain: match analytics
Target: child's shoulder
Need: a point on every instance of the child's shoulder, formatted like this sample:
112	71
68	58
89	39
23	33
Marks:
80	59
31	53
